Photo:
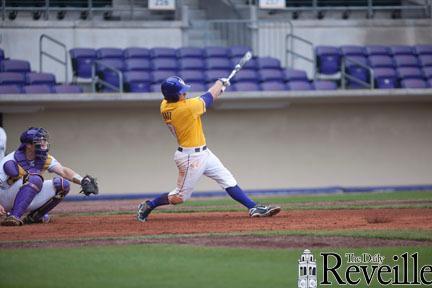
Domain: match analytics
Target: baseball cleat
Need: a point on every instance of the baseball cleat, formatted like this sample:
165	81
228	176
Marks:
144	211
264	211
12	221
29	219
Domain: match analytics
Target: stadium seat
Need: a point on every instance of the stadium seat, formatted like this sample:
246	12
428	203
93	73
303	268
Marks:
192	76
423	49
136	52
10	89
101	65
164	64
20	66
245	86
37	89
381	61
190	52
164	52
238	51
218	63
198	87
107	74
273	86
251	64
299	85
353	50
213	75
137	64
70	89
268	63
191	64
159	76
155	88
82	60
430	83
355	70
425	60
427	72
410	73
40	78
215	52
373	50
324	85
2	57
414	84
385	78
294	75
271	75
246	76
328	59
137	81
12	78
402	50
405	61
109	53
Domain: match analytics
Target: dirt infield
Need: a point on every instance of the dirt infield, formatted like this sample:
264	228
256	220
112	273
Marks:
68	228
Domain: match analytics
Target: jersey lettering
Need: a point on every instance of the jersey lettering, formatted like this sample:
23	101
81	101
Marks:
167	116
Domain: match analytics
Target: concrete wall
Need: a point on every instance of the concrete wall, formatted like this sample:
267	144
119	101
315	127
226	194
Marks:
305	145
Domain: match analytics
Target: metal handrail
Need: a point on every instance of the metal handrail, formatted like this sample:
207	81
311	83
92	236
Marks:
96	80
290	51
42	53
345	76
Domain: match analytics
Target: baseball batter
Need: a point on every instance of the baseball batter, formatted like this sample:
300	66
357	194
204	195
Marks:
22	186
193	158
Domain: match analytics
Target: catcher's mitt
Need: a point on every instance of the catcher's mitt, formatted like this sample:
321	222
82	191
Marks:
89	185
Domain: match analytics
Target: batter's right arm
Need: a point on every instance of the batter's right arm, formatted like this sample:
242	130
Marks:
218	88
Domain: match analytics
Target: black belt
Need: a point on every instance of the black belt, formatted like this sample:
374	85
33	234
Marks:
196	149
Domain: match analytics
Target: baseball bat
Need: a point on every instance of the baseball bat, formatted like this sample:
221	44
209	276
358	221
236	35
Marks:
246	57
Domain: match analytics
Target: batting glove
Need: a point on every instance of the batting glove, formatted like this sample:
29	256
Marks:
225	82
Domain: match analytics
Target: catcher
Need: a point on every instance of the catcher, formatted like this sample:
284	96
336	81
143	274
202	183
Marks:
23	189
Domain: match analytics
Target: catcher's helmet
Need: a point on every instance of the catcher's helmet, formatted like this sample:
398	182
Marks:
172	87
34	135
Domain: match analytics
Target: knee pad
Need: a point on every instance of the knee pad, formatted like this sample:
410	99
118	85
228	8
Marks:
35	181
175	199
11	168
61	186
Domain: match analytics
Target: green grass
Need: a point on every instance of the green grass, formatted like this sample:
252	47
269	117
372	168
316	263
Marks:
163	266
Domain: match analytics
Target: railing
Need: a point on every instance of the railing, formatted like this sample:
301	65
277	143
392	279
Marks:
291	53
96	80
63	62
345	76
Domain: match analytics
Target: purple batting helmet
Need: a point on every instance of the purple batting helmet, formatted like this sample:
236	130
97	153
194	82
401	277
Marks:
173	87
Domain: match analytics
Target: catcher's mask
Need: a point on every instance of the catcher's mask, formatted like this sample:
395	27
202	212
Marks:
38	137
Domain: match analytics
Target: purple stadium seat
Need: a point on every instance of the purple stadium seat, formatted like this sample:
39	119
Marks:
191	64
215	52
82	60
381	61
356	71
190	52
72	89
10	89
328	59
245	86
423	49
385	78
1	55
324	85
238	51
405	61
12	78
108	75
402	50
155	88
409	73
218	63
159	76
192	76
373	50
294	75
20	66
246	76
251	64
271	75
430	83
353	50
273	86
137	81
414	84
164	52
425	60
212	75
136	52
427	72
41	78
114	63
109	53
268	63
164	64
299	85
198	87
137	64
37	89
